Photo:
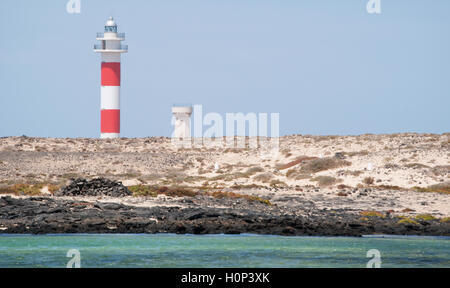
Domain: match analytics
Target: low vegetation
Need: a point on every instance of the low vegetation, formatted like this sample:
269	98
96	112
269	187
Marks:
297	161
368	180
407	220
264	177
178	191
221	195
443	188
389	187
372	214
425	217
445	220
406	210
323	164
296	175
277	183
254	170
416	165
440	170
28	189
325	181
246	186
154	191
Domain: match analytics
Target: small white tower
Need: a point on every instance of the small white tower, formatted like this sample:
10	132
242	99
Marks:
182	115
111	49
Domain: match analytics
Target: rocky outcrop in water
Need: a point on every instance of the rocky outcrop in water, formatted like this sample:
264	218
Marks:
95	187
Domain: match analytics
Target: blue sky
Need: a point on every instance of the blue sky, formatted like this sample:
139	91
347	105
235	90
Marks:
327	66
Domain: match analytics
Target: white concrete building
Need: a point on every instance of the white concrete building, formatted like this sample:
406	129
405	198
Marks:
182	116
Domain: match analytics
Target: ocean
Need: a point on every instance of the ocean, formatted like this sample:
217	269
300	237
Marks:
228	251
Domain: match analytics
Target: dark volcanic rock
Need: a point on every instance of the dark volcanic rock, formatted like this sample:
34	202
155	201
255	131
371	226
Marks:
95	187
53	215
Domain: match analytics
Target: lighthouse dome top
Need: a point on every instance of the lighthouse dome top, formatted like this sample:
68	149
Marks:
111	22
111	25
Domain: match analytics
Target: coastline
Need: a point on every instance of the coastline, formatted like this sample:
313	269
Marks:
45	215
315	186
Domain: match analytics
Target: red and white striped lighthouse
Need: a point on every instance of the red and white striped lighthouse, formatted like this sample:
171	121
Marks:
111	47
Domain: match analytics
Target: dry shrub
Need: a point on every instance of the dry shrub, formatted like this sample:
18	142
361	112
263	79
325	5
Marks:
277	183
390	187
323	164
391	166
290	173
324	181
264	177
416	165
355	173
229	177
254	170
343	186
368	180
440	170
175	191
297	175
406	210
247	186
443	188
297	161
286	152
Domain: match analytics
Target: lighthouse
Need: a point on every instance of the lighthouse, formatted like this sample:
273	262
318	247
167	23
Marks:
111	49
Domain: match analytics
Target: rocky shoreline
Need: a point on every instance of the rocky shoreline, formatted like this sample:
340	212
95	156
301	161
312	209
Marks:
52	215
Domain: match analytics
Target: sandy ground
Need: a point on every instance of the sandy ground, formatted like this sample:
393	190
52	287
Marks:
370	166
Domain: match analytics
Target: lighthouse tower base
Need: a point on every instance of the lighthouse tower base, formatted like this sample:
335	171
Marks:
109	135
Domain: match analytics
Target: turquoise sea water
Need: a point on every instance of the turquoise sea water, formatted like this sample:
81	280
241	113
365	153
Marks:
168	250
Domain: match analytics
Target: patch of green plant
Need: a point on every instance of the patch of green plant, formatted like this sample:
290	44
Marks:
372	214
407	220
445	220
27	189
425	217
143	190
